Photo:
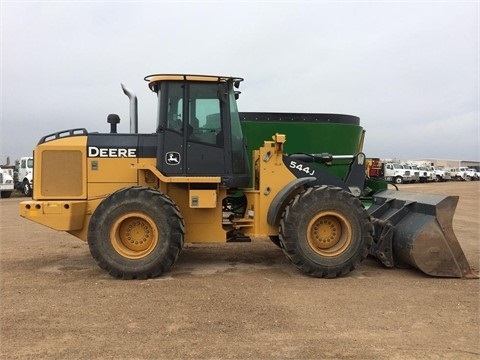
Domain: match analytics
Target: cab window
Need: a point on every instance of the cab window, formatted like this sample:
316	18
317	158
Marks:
175	107
204	123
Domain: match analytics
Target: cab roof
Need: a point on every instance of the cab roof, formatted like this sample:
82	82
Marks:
156	78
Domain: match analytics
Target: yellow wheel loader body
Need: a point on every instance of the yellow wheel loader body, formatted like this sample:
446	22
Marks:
137	198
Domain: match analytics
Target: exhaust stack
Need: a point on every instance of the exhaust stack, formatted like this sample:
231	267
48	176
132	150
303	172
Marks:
133	109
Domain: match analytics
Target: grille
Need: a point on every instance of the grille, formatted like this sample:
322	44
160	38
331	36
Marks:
62	173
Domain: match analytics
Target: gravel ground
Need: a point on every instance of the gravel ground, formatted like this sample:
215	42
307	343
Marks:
231	301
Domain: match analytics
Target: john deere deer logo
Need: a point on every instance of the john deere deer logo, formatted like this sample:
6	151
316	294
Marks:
172	158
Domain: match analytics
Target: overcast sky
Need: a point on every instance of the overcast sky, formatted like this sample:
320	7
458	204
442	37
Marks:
409	70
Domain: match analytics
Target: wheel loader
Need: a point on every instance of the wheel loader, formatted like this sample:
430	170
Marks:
209	173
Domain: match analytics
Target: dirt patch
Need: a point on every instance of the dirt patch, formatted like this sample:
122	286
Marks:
231	301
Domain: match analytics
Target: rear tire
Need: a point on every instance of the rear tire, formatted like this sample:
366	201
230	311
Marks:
326	232
136	233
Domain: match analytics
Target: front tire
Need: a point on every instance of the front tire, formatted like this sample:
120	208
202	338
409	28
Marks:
326	232
136	233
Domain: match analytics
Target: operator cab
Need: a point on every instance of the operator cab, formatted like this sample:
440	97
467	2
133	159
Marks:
198	127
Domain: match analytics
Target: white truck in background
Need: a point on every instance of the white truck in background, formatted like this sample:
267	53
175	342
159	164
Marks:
25	176
453	173
414	172
440	173
426	175
6	183
466	174
423	170
396	173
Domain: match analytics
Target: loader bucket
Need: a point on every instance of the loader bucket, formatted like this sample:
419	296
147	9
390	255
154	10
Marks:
421	233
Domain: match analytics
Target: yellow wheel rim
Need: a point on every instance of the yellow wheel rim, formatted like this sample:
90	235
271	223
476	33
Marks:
134	235
329	233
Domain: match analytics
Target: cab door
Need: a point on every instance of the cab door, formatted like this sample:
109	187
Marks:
205	144
190	136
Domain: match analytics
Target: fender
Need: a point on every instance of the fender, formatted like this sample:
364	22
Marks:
279	202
